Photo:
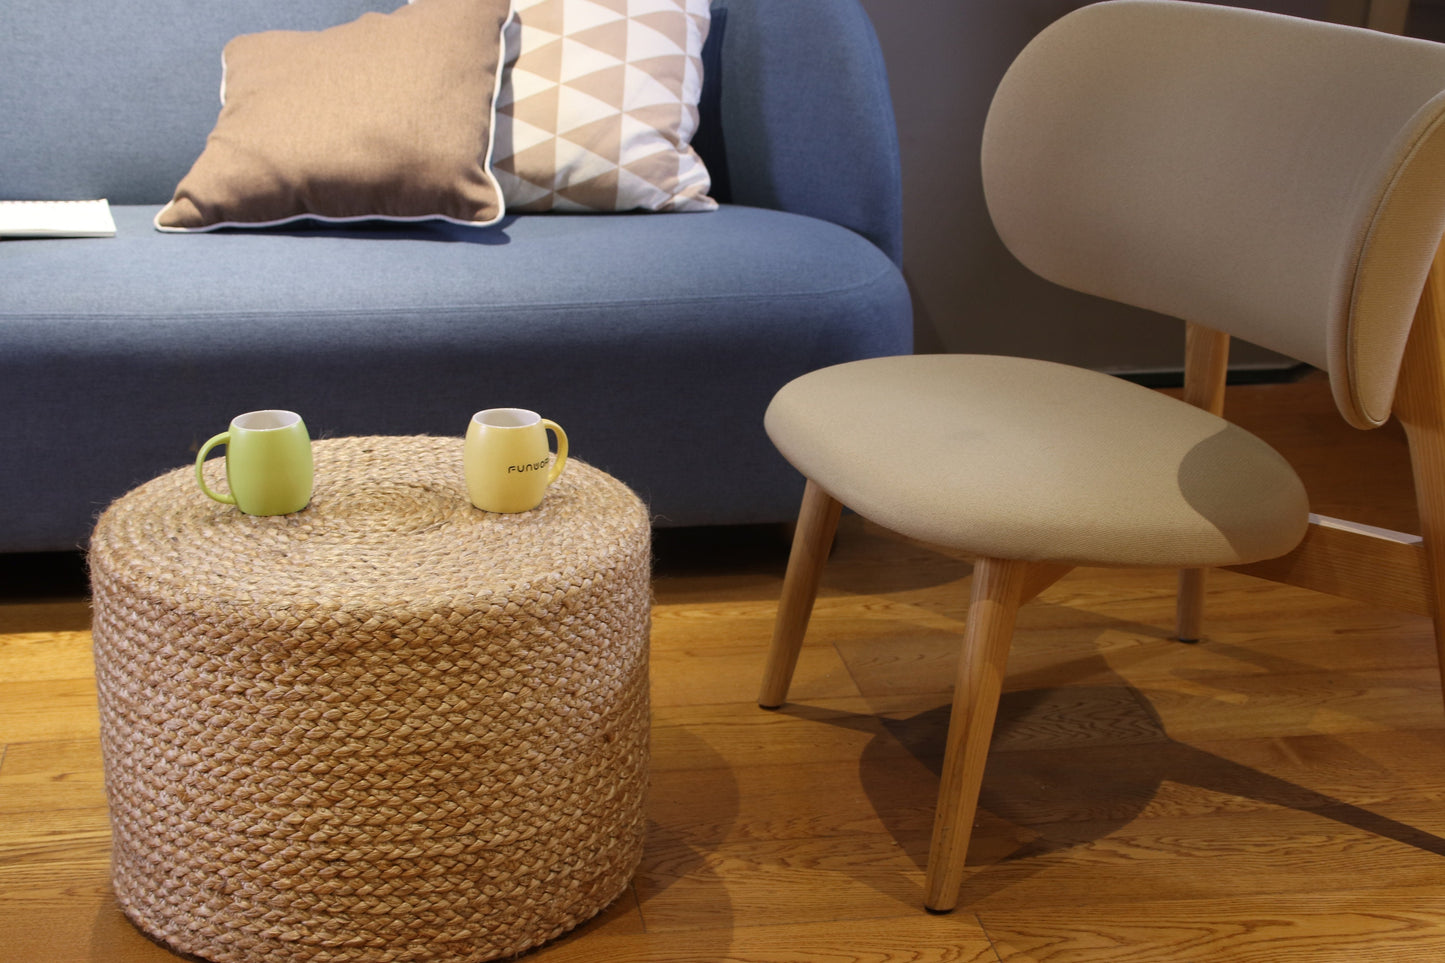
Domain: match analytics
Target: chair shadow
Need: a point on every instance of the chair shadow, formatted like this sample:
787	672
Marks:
1052	792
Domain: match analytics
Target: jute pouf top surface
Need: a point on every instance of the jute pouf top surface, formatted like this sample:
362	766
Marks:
389	727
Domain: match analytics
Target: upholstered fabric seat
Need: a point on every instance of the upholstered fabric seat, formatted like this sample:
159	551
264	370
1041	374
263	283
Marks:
1016	458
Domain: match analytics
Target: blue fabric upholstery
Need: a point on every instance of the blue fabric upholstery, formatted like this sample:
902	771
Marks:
806	119
116	100
656	340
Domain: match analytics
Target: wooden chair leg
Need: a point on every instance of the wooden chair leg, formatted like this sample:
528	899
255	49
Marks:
817	524
1189	605
998	587
1420	407
1430	491
1206	372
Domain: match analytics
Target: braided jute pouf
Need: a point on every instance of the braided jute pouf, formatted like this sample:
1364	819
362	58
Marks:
389	727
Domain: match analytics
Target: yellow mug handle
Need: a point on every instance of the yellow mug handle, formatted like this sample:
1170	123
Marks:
222	439
561	459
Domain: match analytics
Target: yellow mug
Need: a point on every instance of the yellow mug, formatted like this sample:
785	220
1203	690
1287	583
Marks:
268	463
508	464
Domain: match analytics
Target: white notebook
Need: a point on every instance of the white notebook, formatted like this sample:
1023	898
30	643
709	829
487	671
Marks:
56	219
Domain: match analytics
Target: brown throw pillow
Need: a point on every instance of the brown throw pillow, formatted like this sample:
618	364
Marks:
387	117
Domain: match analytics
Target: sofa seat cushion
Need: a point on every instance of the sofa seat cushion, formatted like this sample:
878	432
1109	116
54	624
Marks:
420	280
656	340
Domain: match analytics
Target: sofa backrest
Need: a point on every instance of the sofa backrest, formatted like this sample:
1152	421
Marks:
804	120
101	99
104	99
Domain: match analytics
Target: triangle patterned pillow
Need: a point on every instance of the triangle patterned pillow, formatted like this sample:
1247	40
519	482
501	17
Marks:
598	106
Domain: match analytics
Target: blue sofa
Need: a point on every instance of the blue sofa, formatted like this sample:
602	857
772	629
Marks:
656	340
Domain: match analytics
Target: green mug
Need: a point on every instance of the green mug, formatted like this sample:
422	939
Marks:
268	463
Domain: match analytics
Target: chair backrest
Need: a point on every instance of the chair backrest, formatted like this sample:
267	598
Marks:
1278	179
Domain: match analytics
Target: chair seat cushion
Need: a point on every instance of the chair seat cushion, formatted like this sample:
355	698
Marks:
1022	459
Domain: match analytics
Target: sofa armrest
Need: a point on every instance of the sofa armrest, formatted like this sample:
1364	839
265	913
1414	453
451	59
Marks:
796	115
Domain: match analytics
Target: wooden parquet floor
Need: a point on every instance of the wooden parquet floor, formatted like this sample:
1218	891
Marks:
1275	793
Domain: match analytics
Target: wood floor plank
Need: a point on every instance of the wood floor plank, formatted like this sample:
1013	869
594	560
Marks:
903	940
48	711
777	882
48	776
1398	926
794	801
87	928
45	656
691	672
53	858
22	616
1062	641
1391	775
1298	704
1156	860
733	734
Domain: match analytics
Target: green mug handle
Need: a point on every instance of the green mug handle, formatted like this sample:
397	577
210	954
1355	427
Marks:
221	439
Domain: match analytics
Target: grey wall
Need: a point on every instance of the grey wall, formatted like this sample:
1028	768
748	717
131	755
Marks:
945	57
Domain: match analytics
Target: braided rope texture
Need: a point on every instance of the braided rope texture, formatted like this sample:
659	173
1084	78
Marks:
389	727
